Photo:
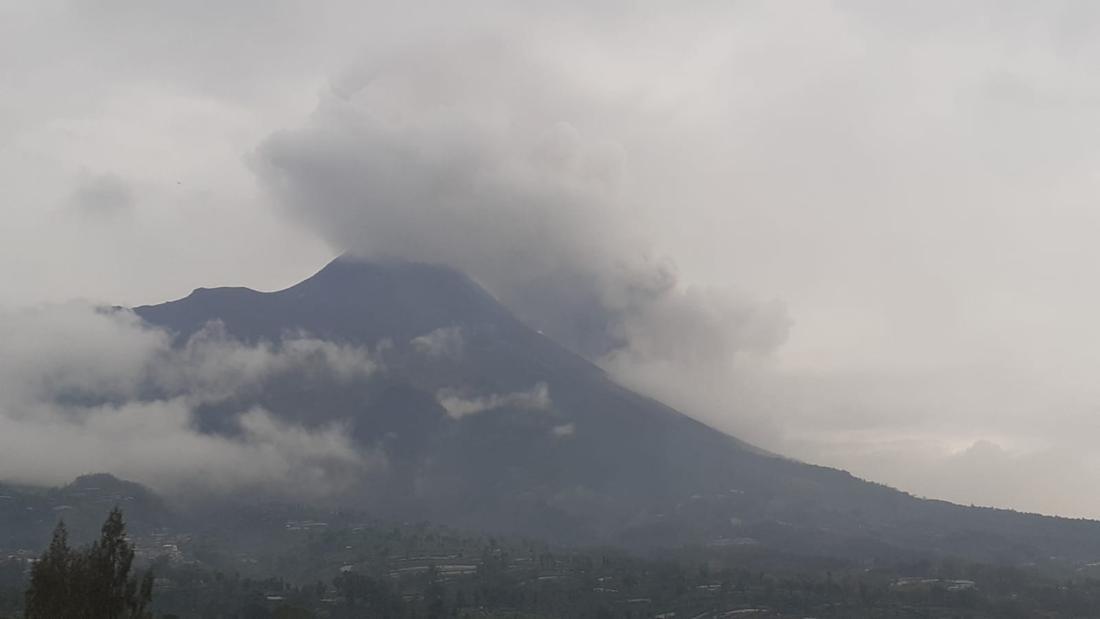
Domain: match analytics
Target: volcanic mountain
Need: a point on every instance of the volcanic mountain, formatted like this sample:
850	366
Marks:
488	424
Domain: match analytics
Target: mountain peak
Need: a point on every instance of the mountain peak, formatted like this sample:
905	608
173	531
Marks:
351	274
351	298
105	482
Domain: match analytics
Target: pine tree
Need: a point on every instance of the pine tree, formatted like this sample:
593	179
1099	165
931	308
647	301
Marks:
108	568
50	592
93	583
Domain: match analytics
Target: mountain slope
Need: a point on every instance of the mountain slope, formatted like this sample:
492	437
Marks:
29	514
590	461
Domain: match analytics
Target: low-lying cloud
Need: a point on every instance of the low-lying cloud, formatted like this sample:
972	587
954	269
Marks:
564	430
444	342
458	405
85	389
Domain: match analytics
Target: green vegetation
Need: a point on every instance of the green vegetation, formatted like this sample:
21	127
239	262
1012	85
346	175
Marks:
314	570
90	583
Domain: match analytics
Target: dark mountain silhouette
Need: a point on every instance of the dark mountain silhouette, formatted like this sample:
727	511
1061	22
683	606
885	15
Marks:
28	514
597	463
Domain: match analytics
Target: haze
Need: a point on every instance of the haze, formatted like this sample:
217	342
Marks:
855	233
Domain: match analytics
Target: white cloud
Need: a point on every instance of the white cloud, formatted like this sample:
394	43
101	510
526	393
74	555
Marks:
212	365
457	406
445	342
564	430
91	390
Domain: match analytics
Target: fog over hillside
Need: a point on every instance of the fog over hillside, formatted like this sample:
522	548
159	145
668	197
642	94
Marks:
104	392
856	233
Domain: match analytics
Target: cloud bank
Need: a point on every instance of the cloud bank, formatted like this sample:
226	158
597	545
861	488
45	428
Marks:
84	389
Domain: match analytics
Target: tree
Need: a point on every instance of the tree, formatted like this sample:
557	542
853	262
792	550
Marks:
91	583
50	592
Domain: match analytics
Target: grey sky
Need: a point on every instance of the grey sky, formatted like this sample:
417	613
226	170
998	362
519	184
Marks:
910	185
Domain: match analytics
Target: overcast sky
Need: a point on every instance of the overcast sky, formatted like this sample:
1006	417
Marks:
885	210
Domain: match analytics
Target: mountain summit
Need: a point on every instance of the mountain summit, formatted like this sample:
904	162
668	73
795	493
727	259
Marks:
488	424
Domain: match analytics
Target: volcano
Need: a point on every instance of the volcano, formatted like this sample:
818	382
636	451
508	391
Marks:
488	424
